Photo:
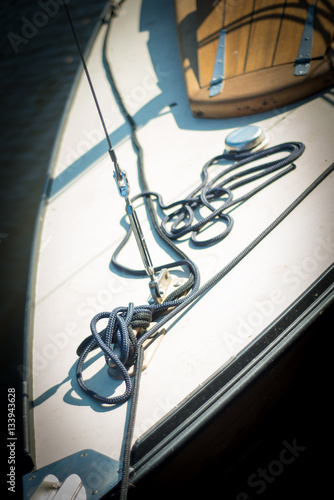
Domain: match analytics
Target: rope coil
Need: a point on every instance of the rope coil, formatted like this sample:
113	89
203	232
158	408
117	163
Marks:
222	187
119	344
118	340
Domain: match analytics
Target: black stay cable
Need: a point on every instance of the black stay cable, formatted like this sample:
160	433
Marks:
83	62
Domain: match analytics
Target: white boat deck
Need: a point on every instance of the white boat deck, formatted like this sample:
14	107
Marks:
82	224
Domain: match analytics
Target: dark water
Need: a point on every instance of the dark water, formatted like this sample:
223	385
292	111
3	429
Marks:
39	61
38	64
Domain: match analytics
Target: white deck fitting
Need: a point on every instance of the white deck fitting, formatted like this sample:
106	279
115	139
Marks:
81	228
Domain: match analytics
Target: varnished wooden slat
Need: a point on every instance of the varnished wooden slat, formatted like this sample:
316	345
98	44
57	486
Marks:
291	32
265	27
210	24
237	26
323	27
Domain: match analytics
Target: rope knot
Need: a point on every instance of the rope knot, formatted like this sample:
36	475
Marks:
118	341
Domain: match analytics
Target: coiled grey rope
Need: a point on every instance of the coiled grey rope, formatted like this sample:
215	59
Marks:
118	341
213	191
223	191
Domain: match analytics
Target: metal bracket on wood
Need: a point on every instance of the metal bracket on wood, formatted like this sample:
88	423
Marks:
303	61
218	74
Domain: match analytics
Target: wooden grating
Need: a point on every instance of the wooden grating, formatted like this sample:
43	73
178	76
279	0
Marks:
262	44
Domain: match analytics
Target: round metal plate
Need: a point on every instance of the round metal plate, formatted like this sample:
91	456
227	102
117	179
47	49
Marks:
245	138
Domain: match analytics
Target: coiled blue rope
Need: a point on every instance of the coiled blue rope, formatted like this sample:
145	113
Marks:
181	220
118	341
222	187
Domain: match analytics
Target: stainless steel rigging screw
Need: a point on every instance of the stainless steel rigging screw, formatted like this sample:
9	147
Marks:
124	191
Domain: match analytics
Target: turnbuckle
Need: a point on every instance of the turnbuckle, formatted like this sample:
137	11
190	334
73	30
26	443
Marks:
123	187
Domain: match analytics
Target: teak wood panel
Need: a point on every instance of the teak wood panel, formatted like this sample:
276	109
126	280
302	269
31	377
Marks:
261	35
209	27
292	28
238	31
264	31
